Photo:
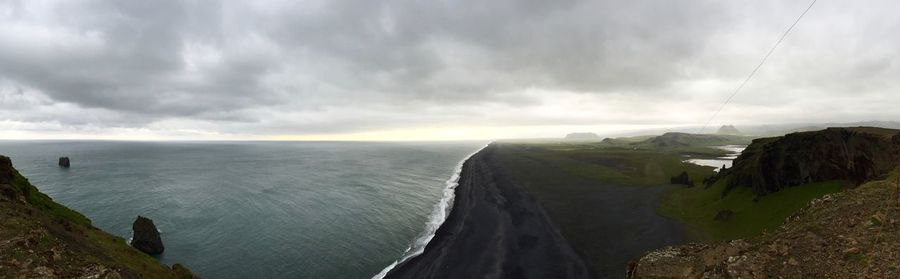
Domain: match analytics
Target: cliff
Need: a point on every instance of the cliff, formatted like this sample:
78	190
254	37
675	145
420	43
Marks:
40	238
852	234
851	154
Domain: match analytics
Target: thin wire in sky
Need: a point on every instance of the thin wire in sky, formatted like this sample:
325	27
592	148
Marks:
736	91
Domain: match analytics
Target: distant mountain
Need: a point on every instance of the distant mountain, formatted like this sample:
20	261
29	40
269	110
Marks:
728	130
673	139
582	136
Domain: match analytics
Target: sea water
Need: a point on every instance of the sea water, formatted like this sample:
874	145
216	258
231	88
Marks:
255	209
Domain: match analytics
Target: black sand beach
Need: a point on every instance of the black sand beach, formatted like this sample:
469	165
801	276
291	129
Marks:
494	230
520	217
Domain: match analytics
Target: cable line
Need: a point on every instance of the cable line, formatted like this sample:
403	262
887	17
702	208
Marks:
736	91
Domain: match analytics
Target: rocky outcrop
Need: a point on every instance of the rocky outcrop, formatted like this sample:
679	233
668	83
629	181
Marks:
853	234
852	154
40	238
64	162
146	236
682	179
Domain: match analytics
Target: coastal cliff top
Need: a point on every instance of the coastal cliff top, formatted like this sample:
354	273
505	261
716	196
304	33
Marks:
40	238
853	234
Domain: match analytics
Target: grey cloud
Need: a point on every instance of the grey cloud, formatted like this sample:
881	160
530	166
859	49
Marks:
336	66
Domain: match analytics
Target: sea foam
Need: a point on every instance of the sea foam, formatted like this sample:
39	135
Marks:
438	216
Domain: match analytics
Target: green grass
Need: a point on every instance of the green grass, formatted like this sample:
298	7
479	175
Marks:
697	207
616	164
58	226
44	202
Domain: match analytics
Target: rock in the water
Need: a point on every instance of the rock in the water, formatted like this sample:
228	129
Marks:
64	162
146	237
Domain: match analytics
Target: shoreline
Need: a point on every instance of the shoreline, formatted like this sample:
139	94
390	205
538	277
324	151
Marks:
515	216
437	218
494	229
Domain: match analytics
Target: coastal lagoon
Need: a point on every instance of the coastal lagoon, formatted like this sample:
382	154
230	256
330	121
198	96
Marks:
734	152
254	209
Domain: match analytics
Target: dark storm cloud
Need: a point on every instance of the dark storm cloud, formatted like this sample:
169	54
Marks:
336	66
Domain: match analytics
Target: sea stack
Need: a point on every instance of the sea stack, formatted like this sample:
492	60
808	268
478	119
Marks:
146	237
64	162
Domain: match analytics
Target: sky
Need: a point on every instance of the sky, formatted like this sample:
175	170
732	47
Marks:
433	70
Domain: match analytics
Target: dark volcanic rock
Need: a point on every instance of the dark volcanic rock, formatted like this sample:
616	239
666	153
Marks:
724	215
682	179
64	162
7	173
146	237
851	154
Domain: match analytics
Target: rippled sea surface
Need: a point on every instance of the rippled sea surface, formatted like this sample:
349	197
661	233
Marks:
253	209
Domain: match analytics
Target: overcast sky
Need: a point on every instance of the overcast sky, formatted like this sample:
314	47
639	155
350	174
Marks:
435	69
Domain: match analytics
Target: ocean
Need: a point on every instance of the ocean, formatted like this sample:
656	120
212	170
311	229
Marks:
254	209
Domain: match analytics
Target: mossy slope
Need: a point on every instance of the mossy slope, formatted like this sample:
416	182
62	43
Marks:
40	238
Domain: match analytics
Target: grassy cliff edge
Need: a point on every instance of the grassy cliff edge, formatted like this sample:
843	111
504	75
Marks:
40	238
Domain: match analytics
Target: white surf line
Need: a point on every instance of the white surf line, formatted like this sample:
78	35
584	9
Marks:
438	216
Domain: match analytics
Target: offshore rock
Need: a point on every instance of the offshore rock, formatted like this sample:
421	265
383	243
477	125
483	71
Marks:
146	237
64	162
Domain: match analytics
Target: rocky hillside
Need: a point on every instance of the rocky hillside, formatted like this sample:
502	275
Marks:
851	154
40	238
853	234
850	234
675	139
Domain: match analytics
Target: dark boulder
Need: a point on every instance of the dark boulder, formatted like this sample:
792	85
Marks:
682	179
724	215
146	237
64	162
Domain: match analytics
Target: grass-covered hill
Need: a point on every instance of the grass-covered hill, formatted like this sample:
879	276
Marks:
775	177
851	234
841	230
40	238
853	154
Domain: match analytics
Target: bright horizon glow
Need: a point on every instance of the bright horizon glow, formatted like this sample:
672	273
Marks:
415	134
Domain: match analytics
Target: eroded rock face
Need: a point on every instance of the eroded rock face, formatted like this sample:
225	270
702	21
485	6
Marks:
853	154
146	237
64	162
6	170
682	179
